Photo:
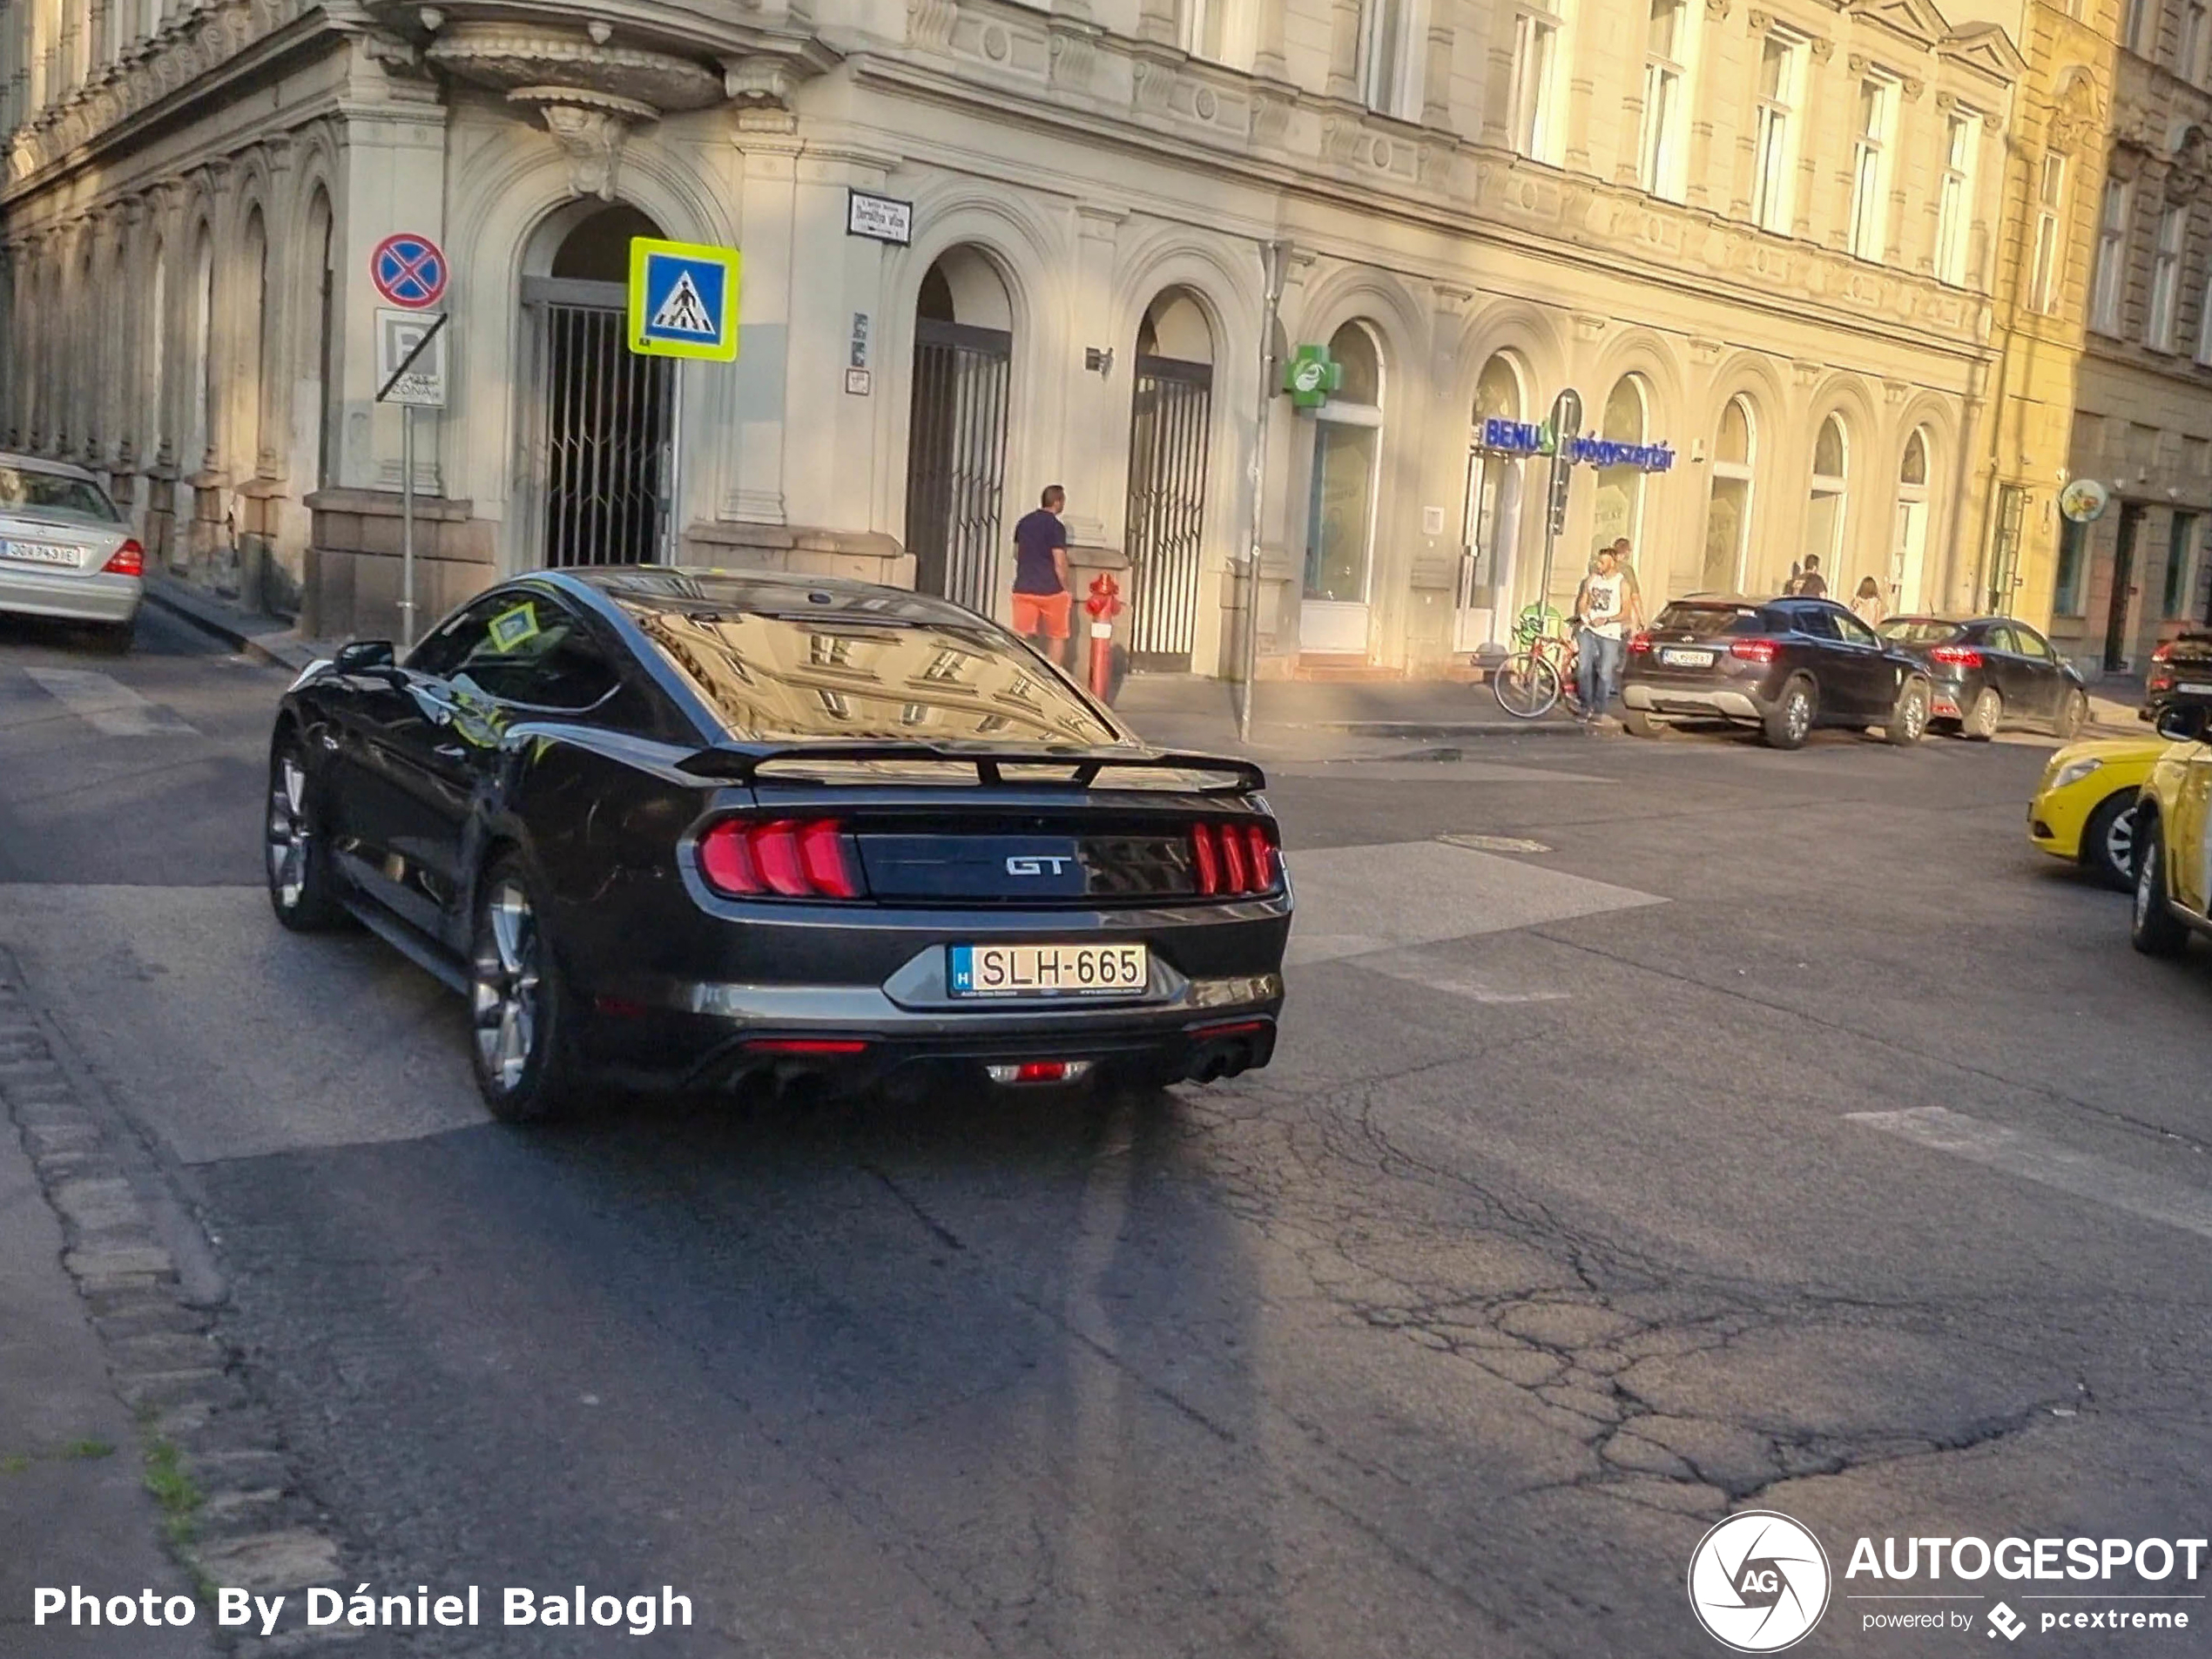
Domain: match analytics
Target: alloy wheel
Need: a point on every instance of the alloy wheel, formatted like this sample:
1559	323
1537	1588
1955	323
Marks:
1798	715
290	833
504	996
1915	717
2120	841
2145	884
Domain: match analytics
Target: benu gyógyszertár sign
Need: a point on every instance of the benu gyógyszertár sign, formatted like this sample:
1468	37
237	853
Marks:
881	219
1526	438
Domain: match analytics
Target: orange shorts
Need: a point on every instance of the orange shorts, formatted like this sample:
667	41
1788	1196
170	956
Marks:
1042	613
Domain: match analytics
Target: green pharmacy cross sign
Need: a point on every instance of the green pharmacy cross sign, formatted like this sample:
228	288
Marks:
1310	375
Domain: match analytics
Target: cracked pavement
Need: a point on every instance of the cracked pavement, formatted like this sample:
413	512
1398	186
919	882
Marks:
1539	1248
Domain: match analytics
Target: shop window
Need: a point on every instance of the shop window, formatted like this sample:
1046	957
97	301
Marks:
2181	561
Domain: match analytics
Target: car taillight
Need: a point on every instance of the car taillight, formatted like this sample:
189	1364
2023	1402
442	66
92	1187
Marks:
1231	860
1640	643
1955	656
787	858
130	559
2164	653
1753	650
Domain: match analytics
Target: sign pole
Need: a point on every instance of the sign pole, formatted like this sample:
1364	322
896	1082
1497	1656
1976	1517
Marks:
1248	642
406	527
672	548
1566	415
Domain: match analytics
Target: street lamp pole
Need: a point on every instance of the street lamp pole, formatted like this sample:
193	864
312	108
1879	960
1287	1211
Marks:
1276	255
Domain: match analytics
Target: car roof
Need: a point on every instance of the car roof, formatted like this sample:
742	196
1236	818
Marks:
700	588
41	464
1721	601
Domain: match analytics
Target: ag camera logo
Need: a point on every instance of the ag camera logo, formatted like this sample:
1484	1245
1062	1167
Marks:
1758	1581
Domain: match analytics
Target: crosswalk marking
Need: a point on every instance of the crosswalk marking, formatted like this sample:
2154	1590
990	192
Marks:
106	704
2052	1163
1355	900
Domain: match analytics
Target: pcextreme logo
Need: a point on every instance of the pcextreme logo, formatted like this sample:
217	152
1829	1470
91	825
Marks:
1758	1581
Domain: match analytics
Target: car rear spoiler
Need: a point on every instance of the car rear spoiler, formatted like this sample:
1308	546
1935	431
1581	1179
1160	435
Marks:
1079	770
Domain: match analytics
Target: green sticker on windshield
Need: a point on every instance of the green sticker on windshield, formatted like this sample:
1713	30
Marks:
510	628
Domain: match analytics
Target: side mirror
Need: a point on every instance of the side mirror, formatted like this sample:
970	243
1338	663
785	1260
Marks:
365	655
2180	722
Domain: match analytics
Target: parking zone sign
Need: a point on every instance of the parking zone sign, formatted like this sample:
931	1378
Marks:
683	300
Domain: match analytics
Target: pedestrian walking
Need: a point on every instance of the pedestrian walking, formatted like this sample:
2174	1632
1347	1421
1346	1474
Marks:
1606	607
1811	584
1042	600
1868	605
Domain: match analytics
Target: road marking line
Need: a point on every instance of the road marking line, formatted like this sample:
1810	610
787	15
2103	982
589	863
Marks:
1353	900
106	704
2038	1158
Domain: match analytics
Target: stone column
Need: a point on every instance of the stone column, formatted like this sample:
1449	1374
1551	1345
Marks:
1158	21
1094	467
753	479
1267	45
1344	50
1436	80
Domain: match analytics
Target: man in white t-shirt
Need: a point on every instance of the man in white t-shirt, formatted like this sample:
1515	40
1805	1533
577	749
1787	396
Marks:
1606	608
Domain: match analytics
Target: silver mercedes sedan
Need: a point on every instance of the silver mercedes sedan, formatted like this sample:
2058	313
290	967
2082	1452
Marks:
65	549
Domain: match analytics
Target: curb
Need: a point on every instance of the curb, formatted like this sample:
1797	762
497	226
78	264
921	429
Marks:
211	617
233	1513
1434	731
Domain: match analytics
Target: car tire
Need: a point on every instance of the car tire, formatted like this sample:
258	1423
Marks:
521	1026
1908	721
1983	718
304	888
2108	842
2074	714
2153	928
1638	724
1789	723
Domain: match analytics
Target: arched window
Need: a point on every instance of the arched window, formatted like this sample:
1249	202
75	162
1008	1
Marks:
322	288
253	357
199	432
1908	554
1490	535
1341	516
1620	490
154	432
957	429
1728	507
1171	443
1825	508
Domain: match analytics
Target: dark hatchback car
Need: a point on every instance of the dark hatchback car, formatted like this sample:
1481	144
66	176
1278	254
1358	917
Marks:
1783	665
691	829
2180	671
1992	671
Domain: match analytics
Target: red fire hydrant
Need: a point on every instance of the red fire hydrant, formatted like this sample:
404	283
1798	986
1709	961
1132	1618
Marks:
1104	604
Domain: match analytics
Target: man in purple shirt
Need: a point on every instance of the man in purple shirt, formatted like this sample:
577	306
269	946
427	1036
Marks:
1042	601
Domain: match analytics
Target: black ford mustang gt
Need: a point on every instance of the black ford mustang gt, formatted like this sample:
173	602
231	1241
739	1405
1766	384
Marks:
695	828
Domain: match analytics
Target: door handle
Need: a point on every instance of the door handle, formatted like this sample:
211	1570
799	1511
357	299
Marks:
450	752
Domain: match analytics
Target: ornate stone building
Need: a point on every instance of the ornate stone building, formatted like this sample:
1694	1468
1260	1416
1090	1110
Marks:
2106	303
1757	242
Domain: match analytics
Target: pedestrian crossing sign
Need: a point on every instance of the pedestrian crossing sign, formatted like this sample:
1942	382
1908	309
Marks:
683	300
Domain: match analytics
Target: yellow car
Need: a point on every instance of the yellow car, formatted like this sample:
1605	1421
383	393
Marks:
2174	836
2084	808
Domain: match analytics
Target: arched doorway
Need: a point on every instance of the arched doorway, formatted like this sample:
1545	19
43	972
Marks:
1620	490
1824	505
956	430
600	412
1909	557
1340	514
1171	433
1728	510
1490	521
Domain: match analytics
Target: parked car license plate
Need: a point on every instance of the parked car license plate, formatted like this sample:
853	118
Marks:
1049	970
1687	659
2195	689
40	553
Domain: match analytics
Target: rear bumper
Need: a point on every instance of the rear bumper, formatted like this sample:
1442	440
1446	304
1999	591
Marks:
1695	701
30	591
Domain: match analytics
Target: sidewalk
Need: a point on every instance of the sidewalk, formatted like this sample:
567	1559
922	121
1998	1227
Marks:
269	638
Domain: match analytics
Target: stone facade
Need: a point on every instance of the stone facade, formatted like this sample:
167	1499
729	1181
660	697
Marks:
1468	202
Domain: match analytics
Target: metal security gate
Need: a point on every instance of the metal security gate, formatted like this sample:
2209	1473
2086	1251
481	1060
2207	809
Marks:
602	462
956	459
1168	431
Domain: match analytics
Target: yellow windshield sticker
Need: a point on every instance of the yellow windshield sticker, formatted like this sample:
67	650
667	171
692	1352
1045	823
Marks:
510	628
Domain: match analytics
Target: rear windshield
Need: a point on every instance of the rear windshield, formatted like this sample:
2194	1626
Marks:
1918	630
53	495
834	676
1708	622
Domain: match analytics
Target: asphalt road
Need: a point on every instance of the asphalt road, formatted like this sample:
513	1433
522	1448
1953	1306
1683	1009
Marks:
1557	1230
